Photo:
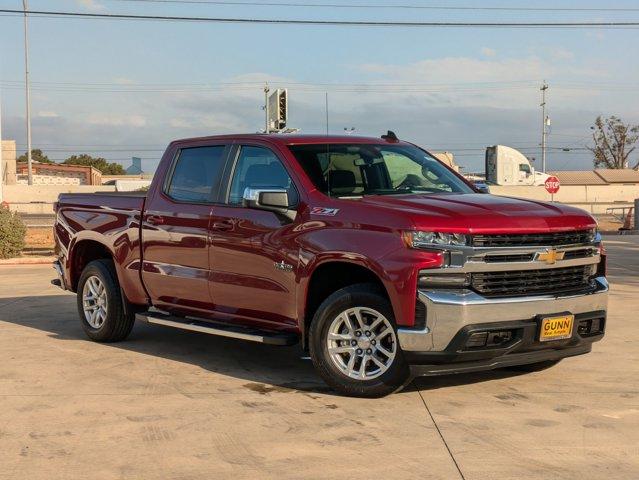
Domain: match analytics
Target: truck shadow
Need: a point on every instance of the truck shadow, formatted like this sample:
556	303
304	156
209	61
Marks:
265	368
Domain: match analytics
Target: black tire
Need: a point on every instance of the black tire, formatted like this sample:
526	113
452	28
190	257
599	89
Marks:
360	295
117	323
534	367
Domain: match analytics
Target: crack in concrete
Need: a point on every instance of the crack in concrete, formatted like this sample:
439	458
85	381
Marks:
452	457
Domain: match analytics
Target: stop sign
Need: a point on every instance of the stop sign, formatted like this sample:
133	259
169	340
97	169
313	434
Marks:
552	184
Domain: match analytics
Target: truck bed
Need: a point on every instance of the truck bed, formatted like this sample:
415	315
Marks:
132	200
86	221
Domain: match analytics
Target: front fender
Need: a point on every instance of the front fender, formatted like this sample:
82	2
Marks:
381	252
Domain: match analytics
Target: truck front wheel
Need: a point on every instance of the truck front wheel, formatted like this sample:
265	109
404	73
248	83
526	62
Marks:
100	306
353	343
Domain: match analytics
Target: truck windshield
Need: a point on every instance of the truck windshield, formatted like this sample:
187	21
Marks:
348	170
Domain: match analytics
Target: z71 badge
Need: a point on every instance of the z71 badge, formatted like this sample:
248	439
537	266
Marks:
329	212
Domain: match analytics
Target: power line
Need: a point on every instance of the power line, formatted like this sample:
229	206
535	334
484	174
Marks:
343	23
387	6
221	87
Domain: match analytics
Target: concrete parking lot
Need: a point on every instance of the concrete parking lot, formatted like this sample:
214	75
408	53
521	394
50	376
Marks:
168	404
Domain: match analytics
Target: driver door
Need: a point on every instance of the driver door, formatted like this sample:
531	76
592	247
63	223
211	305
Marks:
253	263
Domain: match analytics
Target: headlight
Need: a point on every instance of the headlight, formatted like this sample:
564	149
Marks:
438	239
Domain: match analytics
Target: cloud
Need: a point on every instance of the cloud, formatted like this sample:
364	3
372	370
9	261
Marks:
117	120
123	81
488	52
562	54
93	5
596	35
47	114
461	104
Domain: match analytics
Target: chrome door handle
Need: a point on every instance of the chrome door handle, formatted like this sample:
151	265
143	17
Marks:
155	219
223	225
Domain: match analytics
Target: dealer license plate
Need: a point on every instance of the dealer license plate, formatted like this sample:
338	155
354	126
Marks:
556	328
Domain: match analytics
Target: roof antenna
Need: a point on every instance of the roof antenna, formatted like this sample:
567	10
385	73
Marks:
328	149
390	136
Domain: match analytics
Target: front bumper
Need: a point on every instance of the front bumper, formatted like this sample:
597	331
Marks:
450	314
502	361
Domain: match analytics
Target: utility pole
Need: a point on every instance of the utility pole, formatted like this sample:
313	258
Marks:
267	128
1	163
25	5
543	89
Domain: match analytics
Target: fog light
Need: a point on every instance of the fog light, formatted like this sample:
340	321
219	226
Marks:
591	326
489	339
497	338
477	340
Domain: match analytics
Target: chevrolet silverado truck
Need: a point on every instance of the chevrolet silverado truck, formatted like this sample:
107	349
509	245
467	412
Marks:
380	260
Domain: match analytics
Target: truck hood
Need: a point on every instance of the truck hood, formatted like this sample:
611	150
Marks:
481	213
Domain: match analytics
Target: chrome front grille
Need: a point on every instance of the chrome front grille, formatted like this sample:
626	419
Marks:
534	239
567	254
532	282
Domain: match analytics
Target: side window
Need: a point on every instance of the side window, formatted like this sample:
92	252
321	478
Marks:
259	167
196	174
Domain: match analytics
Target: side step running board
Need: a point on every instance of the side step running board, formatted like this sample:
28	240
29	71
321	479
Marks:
218	328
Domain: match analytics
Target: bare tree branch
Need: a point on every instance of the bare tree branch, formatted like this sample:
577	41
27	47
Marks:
614	141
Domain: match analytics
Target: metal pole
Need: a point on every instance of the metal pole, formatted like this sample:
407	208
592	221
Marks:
543	126
1	163
25	5
267	128
636	225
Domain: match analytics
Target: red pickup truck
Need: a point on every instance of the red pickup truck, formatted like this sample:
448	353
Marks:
375	256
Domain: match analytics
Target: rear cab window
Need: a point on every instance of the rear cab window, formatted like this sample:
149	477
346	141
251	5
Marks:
196	174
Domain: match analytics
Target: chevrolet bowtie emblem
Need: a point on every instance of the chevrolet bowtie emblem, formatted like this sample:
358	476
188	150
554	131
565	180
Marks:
550	256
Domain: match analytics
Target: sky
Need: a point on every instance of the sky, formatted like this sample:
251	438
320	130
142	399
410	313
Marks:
118	89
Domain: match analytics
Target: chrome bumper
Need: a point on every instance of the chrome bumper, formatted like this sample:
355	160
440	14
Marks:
448	311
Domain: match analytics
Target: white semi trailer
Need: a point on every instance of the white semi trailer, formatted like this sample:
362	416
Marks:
507	166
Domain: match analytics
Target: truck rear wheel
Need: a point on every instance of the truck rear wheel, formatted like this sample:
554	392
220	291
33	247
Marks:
353	343
100	306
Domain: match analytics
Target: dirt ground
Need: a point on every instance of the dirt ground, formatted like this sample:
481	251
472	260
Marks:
39	237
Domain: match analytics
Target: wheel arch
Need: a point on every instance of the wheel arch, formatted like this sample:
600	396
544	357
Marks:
328	276
82	253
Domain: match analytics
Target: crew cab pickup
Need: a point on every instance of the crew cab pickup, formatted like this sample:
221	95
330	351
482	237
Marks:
380	260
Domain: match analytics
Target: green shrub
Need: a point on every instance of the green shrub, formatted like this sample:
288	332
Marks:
12	233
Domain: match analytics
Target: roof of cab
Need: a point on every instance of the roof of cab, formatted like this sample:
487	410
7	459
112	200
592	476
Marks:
291	139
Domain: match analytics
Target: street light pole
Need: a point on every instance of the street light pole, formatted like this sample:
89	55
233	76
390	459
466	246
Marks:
25	5
543	126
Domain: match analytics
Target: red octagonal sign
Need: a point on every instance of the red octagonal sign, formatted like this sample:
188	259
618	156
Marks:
552	184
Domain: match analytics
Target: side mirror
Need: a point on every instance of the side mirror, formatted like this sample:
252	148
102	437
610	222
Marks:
271	199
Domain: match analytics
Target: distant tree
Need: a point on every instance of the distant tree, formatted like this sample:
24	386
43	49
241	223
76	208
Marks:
614	142
36	156
97	162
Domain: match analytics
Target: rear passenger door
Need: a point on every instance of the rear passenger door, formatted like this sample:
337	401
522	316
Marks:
175	230
253	264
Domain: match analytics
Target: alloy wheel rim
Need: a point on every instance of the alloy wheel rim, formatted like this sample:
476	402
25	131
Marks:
362	343
94	301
